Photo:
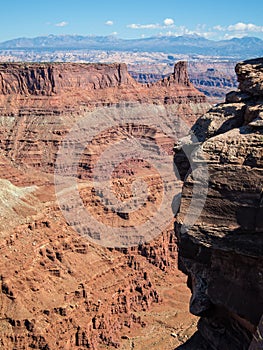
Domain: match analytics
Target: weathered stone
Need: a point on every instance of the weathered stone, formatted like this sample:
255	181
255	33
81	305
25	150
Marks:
219	120
250	77
257	342
222	252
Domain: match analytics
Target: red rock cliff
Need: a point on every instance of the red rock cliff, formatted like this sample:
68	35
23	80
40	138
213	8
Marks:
66	86
41	102
48	79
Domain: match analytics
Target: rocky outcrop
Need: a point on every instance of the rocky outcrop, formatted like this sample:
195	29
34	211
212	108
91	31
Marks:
250	77
214	84
179	76
222	252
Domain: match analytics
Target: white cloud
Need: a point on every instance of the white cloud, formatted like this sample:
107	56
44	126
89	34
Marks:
237	30
182	30
61	24
243	27
168	22
114	33
217	32
219	28
143	26
109	23
234	35
174	30
240	27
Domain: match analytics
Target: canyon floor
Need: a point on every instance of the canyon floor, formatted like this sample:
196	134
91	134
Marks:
57	285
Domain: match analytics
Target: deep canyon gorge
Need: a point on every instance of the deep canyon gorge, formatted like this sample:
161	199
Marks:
62	289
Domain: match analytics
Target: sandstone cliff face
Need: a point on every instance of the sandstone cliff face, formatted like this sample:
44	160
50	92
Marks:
179	76
49	79
39	103
94	84
222	252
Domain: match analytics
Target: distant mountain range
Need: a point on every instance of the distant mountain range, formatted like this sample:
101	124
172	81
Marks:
187	44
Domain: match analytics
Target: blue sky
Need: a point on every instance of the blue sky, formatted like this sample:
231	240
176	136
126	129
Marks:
131	19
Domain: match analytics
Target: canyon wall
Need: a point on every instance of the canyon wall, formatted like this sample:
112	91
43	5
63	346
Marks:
39	103
40	85
56	78
222	252
59	290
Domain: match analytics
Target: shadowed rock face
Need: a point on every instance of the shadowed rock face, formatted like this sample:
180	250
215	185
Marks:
222	252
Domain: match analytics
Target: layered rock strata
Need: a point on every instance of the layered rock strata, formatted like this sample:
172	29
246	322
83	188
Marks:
63	86
39	103
222	251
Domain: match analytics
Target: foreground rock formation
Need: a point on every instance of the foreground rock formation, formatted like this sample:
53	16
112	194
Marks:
222	252
58	290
